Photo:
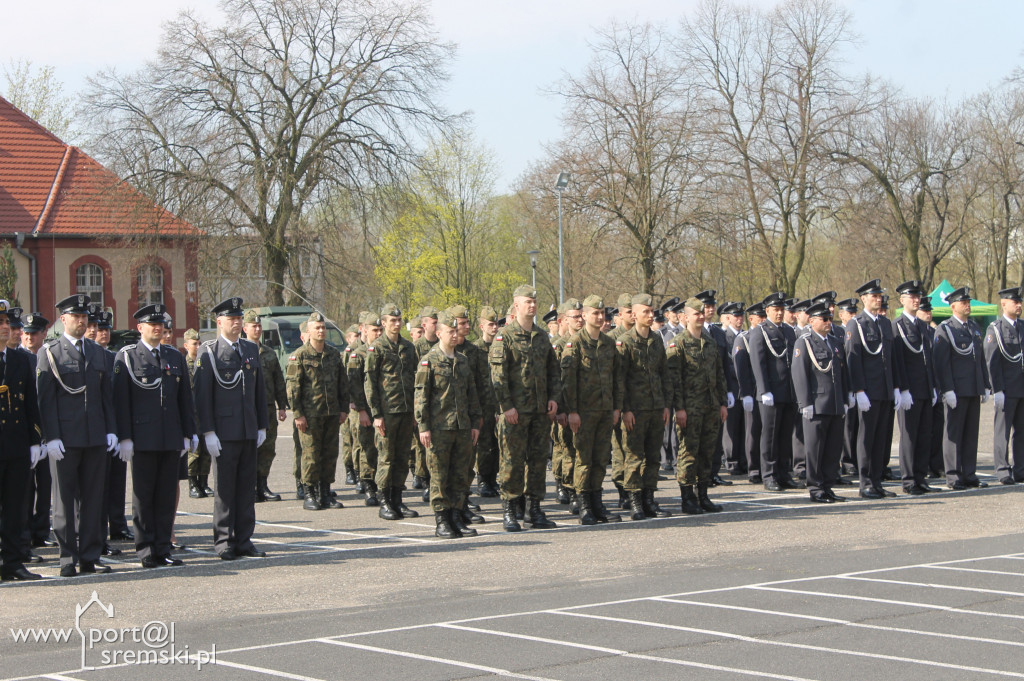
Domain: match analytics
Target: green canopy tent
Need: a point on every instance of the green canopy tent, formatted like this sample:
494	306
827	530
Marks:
982	313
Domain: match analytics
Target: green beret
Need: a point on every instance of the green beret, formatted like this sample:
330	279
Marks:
458	311
429	312
695	304
642	299
250	317
390	310
593	301
446	318
488	313
525	291
352	329
315	317
416	323
369	319
569	304
191	334
625	301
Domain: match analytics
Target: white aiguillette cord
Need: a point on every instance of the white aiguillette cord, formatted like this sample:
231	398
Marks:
952	341
226	384
814	360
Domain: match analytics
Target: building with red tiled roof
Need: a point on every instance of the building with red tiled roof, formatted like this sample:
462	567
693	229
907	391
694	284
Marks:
78	228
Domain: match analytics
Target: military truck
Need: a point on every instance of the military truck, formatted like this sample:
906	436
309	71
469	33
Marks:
281	330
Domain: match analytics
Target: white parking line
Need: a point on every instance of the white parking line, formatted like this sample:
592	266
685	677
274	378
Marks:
932	586
264	670
888	601
984	572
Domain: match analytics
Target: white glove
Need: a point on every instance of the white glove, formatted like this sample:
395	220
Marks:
36	454
127	449
55	449
212	443
999	399
851	401
748	404
261	437
730	400
863	403
187	441
111	443
195	443
935	397
949	397
808	412
906	400
768	400
896	395
985	395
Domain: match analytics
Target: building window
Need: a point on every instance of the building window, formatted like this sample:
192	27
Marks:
150	280
89	280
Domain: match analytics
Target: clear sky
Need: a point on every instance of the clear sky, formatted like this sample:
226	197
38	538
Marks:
512	50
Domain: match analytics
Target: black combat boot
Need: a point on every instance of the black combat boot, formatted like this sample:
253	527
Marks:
488	488
536	518
300	490
396	501
509	522
328	500
471	506
471	516
418	482
521	507
350	475
312	502
264	490
459	522
636	503
260	496
426	494
601	513
574	502
371	494
360	486
651	508
204	482
585	511
705	502
444	526
386	510
561	492
691	505
625	500
194	489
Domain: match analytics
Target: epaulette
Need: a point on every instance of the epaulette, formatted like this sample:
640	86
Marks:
210	342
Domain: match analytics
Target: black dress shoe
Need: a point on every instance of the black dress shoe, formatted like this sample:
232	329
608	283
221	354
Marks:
914	490
90	567
168	560
802	475
151	562
844	482
68	571
976	483
33	558
43	543
935	475
18	574
794	484
108	550
253	553
228	554
719	480
1007	481
773	486
821	498
836	497
175	546
884	492
887	475
871	493
755	480
124	535
958	487
928	488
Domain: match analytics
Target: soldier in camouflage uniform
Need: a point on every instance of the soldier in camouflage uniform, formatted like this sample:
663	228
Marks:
527	385
648	397
273	379
487	443
563	454
415	329
481	369
625	323
426	340
363	434
300	489
390	385
318	393
448	416
592	398
695	362
198	458
349	453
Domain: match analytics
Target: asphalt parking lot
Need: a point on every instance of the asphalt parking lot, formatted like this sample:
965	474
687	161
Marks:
774	587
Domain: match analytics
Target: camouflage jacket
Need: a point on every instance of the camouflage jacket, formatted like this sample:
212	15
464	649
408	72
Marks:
355	363
390	380
273	378
423	346
481	375
647	384
446	397
317	384
592	378
695	365
524	372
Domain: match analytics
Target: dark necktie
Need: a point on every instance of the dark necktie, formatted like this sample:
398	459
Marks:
156	355
238	350
80	346
3	366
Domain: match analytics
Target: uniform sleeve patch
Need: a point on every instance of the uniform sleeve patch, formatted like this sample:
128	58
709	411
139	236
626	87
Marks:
293	358
618	342
424	363
671	345
736	350
370	348
569	344
497	338
796	352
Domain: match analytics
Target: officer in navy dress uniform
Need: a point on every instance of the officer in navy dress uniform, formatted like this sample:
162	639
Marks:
19	451
735	457
875	381
821	384
725	350
155	425
846	309
231	402
77	412
913	350
37	496
799	309
962	378
936	467
1003	343
771	352
748	394
838	337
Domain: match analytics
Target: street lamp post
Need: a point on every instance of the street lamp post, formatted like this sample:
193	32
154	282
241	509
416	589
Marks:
533	264
560	185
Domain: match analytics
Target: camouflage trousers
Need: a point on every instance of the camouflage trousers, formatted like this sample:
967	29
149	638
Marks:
449	460
393	450
642	451
199	460
487	456
617	454
349	457
697	444
418	457
297	443
563	455
366	452
320	449
265	453
593	450
524	456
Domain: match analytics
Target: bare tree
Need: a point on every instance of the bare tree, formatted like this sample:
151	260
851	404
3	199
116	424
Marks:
40	95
